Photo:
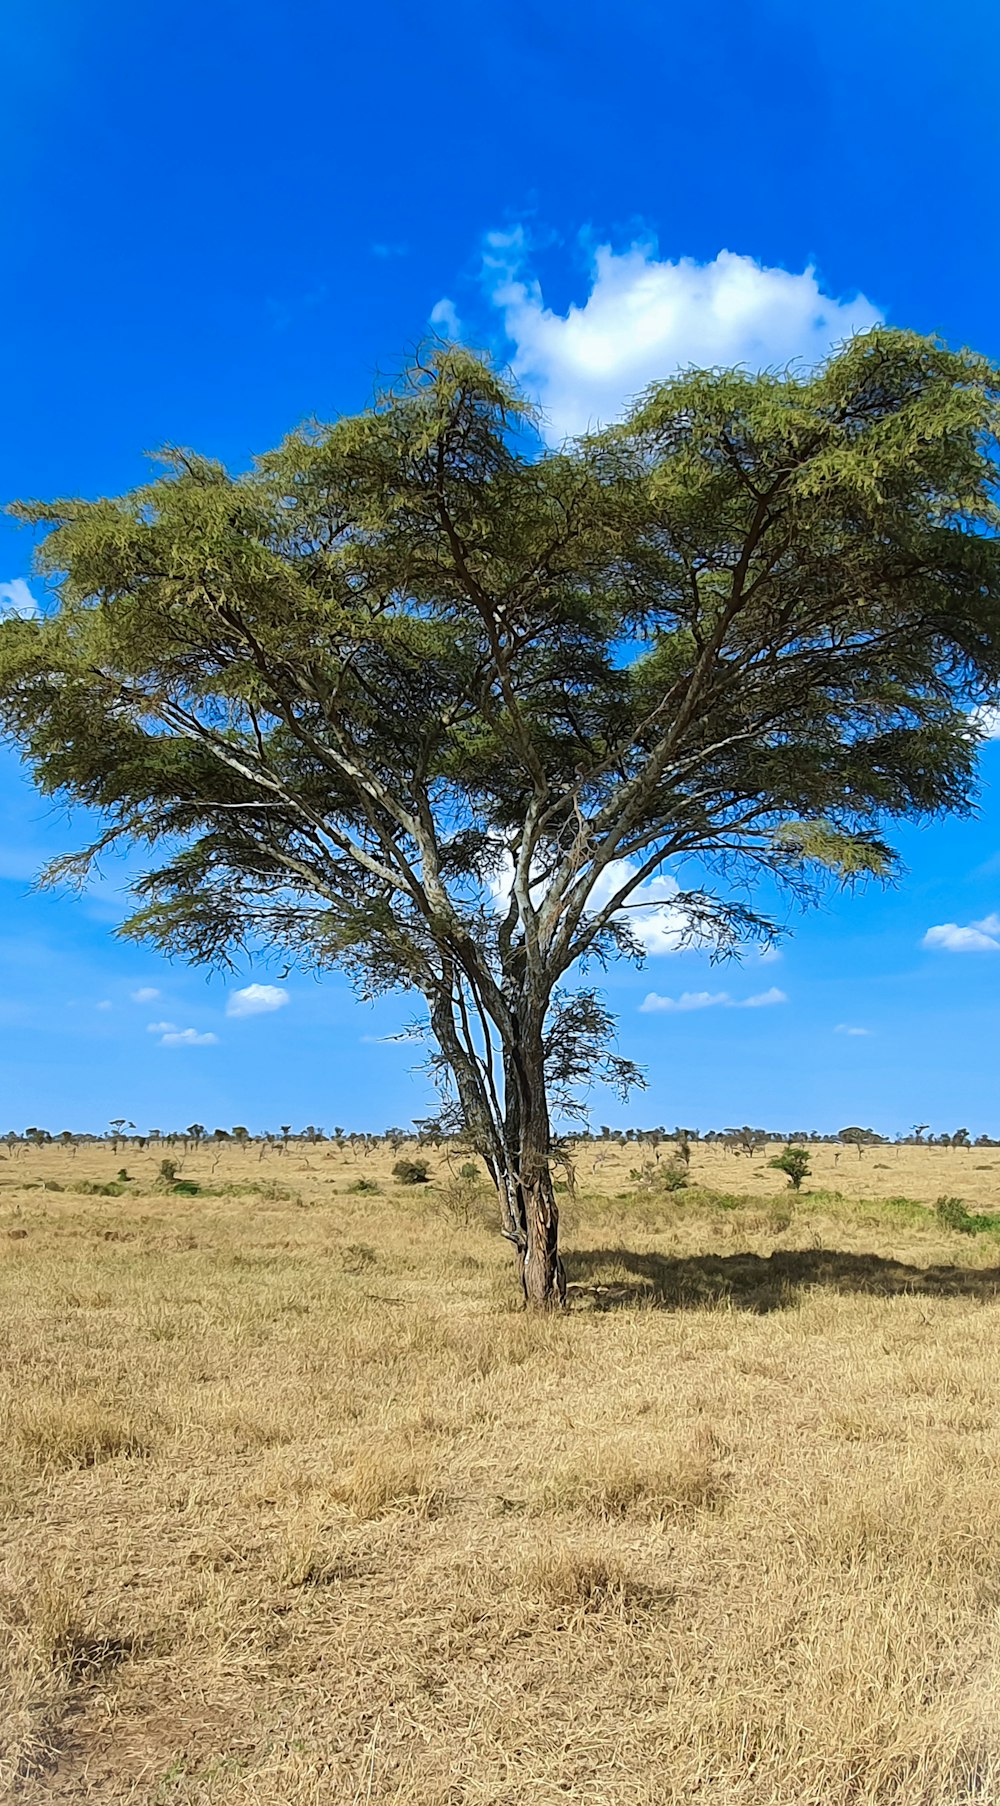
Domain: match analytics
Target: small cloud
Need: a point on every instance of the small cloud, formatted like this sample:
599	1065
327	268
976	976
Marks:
976	937
444	315
145	994
707	1000
768	956
187	1037
105	1004
160	1028
256	1000
382	249
847	1028
688	1000
17	599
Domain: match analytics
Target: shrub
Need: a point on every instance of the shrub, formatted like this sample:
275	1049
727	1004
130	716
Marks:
123	1175
411	1172
367	1186
168	1171
953	1214
794	1162
469	1170
673	1176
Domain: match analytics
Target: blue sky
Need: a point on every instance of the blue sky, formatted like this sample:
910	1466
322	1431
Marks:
219	220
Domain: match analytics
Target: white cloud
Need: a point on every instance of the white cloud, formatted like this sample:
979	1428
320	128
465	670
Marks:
646	317
256	1000
187	1037
659	924
706	1000
688	1000
977	937
17	599
160	1028
768	956
846	1028
145	994
105	1004
444	315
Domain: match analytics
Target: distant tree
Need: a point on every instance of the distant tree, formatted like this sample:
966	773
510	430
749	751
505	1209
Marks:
195	1132
859	1138
118	1126
414	663
960	1138
241	1135
794	1162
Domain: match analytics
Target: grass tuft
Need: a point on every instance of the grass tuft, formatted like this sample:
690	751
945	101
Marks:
76	1432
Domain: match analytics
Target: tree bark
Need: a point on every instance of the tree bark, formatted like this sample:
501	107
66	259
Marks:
542	1275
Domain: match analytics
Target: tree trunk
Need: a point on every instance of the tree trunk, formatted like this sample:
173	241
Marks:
542	1274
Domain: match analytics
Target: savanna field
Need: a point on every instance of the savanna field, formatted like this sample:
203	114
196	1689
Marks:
299	1506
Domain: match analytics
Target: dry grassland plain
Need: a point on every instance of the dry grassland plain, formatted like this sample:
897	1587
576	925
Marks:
299	1507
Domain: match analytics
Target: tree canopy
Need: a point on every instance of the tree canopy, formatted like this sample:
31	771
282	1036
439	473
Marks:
420	698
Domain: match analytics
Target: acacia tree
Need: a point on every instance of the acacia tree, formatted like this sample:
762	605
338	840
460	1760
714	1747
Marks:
417	697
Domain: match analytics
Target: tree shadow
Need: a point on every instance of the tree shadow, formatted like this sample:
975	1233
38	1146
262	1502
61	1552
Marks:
757	1282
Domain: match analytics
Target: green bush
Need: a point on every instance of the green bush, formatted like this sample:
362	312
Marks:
673	1176
411	1172
794	1162
469	1170
952	1214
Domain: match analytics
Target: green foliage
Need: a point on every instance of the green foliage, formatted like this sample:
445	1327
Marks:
411	1172
469	1171
672	1176
793	1161
338	699
952	1213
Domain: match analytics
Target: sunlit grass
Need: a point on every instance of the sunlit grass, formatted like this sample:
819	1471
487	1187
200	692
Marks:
299	1506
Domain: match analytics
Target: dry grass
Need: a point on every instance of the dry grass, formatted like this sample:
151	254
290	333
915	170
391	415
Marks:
298	1508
